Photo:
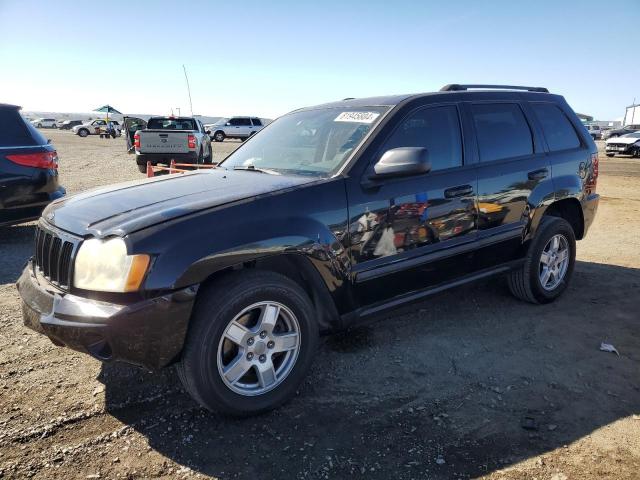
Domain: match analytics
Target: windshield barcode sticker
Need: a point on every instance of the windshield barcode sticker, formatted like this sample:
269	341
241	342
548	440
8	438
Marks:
358	117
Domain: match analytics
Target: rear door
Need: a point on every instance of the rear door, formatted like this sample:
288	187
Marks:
131	125
514	175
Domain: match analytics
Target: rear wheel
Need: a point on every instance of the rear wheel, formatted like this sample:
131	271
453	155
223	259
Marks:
39	125
548	265
248	350
219	136
83	132
142	168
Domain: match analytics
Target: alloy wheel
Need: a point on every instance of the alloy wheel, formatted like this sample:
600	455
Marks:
258	348
554	262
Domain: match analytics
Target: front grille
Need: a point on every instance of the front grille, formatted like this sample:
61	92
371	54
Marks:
54	256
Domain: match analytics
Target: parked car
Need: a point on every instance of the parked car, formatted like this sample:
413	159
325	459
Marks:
69	124
237	127
618	132
628	144
594	131
331	215
95	127
44	123
162	139
28	169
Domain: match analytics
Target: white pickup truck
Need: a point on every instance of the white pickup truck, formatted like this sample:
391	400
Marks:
162	139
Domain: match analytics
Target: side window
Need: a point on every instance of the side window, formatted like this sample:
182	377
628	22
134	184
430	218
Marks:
256	122
435	128
235	122
502	131
557	128
245	122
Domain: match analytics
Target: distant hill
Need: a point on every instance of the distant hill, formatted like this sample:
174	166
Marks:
31	115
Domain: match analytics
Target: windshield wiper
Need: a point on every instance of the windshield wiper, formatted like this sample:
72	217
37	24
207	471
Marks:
251	168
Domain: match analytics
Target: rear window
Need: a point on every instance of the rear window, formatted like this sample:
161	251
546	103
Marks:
256	122
171	124
14	132
502	131
557	128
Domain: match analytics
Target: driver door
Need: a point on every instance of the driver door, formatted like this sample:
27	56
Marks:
411	233
130	126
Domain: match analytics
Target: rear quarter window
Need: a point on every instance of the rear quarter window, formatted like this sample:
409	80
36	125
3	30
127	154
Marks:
14	132
557	128
502	131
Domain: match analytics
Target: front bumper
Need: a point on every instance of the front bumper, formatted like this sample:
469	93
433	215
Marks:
624	149
589	209
146	332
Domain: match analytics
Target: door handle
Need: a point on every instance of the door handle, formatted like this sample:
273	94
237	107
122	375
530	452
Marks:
538	174
459	191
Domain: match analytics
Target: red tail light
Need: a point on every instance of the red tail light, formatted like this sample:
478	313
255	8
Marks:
35	160
592	180
136	140
192	141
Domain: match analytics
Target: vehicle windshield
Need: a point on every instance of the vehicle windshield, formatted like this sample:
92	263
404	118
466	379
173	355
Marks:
171	124
310	142
632	135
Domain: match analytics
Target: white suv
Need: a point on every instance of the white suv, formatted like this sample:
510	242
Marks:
95	127
44	123
236	127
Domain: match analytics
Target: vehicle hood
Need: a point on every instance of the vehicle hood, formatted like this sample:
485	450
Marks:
127	207
625	140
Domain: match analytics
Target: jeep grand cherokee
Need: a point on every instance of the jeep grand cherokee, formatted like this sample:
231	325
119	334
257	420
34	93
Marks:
328	215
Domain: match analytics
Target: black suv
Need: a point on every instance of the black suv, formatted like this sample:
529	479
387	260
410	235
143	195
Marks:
28	169
329	215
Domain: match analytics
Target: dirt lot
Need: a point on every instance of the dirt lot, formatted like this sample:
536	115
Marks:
439	390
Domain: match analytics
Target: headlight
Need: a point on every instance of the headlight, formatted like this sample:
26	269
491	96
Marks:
104	266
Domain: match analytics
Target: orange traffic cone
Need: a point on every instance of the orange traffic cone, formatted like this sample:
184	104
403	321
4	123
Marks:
149	170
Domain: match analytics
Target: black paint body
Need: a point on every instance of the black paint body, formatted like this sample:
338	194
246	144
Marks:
24	191
356	246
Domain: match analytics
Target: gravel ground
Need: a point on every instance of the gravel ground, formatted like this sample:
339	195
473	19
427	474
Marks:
441	389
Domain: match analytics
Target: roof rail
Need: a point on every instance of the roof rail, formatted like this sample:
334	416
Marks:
455	87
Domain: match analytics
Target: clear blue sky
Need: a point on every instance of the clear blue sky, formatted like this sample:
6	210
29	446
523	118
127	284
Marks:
267	58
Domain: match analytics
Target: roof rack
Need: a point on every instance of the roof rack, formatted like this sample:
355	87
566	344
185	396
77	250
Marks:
456	87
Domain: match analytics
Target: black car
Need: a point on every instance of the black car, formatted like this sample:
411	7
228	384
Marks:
329	215
69	124
28	169
618	132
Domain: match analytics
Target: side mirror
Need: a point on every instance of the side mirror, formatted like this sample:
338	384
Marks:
208	132
402	162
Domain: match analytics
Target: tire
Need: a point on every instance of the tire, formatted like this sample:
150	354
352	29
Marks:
525	283
142	168
610	154
209	158
83	132
218	305
39	125
219	136
200	159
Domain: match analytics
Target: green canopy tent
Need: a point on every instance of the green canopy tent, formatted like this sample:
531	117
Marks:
107	109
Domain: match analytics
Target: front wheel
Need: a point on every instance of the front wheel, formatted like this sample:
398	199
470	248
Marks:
548	265
249	349
219	136
83	132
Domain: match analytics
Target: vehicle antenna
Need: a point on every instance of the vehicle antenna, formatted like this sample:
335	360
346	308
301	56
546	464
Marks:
188	89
